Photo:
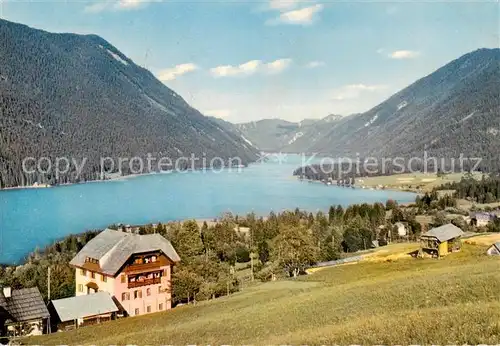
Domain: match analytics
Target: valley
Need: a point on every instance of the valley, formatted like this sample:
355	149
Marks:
287	172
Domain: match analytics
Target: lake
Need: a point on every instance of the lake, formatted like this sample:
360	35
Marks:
36	217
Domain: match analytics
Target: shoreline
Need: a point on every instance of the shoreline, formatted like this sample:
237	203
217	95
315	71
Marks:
363	187
211	221
113	178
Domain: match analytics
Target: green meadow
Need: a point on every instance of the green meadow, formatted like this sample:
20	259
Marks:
454	300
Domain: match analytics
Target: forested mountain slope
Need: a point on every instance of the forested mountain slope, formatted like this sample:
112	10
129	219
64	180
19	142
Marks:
453	111
79	96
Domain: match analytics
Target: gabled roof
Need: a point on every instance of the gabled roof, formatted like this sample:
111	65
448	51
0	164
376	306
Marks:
24	305
73	308
113	248
497	245
444	233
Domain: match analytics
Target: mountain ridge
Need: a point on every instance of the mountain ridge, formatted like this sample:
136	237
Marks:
70	95
452	111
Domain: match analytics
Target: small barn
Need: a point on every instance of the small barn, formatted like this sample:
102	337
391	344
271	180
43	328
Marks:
69	313
22	312
494	250
441	241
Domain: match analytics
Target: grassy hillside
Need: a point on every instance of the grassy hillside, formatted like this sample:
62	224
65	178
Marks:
419	182
454	300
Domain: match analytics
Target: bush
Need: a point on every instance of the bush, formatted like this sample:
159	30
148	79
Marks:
242	254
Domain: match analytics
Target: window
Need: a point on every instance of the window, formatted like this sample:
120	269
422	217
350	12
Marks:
92	275
160	306
148	308
123	279
124	296
137	294
91	260
136	312
104	278
83	272
80	288
148	292
159	289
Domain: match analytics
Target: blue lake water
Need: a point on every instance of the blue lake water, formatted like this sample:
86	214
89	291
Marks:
36	217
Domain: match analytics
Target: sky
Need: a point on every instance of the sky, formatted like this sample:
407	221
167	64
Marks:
291	59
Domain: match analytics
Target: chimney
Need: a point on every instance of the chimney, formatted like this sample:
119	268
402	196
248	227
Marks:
7	292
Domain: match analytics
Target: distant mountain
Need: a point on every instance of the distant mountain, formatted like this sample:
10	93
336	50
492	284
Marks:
313	132
79	96
281	135
455	110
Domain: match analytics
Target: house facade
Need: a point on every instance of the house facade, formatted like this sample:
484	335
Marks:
135	269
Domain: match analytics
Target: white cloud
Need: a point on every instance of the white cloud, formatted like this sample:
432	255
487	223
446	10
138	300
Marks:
315	64
219	113
301	16
403	54
250	67
354	91
247	68
98	7
284	4
174	72
117	5
278	66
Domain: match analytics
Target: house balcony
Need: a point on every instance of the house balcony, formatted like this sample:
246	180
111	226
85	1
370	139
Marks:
144	282
144	267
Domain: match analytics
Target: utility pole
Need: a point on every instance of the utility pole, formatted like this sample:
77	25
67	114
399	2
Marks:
251	254
48	284
48	299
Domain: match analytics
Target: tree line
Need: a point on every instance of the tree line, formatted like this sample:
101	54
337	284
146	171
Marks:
486	190
280	245
349	171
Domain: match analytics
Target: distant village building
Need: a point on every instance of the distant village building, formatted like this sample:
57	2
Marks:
82	310
245	231
441	241
482	219
135	269
22	312
402	230
494	250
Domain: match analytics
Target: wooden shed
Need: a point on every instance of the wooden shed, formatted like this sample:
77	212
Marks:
83	310
441	241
